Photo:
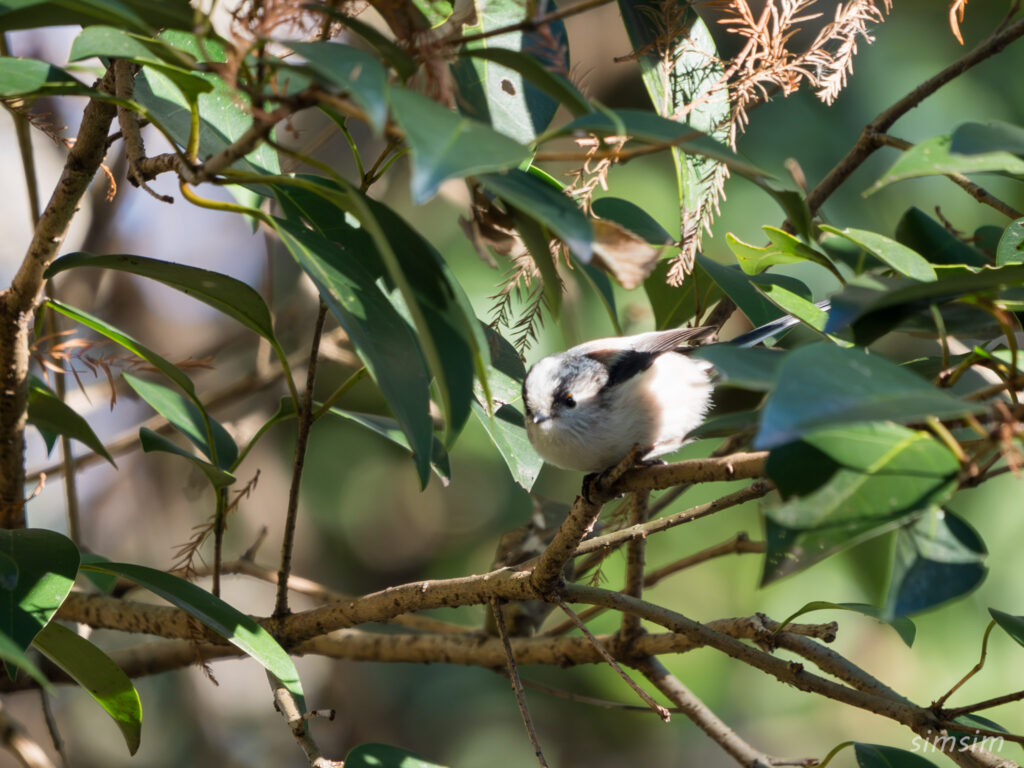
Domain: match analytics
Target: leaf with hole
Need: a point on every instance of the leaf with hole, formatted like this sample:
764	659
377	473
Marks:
101	678
234	626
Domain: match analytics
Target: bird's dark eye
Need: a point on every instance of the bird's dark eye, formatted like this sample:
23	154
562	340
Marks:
569	401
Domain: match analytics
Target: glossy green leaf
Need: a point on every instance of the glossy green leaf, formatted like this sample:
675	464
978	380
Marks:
445	145
389	429
188	419
1011	245
979	138
225	294
143	16
532	73
805	310
843	485
22	78
14	657
351	71
512	81
434	11
823	384
153	441
102	679
881	756
1012	625
547	205
741	289
224	115
384	756
47	564
904	627
165	367
632	217
48	412
923	234
104	582
675	305
752	368
380	335
938	558
896	255
935	156
234	626
783	248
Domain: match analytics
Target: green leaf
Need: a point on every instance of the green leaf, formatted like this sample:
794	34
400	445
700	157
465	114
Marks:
501	83
547	205
8	573
844	485
143	16
804	310
389	51
1012	625
92	669
674	305
49	413
1011	245
153	441
741	289
935	156
434	11
938	558
234	626
904	627
896	255
47	565
225	294
351	71
822	384
104	582
22	78
881	756
384	756
632	217
389	429
168	369
538	244
752	368
188	419
445	145
783	248
380	335
979	138
224	113
14	658
923	234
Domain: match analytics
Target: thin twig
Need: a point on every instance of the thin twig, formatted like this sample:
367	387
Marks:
305	421
937	704
1007	698
663	713
517	684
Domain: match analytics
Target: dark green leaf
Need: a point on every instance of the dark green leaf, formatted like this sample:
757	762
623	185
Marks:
843	485
510	80
168	369
1012	625
602	286
22	78
445	145
675	305
881	756
935	156
547	205
49	413
353	71
143	16
754	368
822	384
104	582
920	232
898	256
153	441
380	335
938	557
979	138
188	419
538	244
92	669
14	657
389	51
632	217
234	626
384	756
47	565
8	573
1011	245
225	294
740	288
904	627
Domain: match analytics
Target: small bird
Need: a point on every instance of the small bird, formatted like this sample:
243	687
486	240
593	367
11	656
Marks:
588	406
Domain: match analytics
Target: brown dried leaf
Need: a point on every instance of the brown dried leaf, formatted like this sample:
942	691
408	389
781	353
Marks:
956	15
625	256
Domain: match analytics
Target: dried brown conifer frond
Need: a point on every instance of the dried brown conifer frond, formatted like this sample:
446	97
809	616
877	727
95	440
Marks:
956	17
585	180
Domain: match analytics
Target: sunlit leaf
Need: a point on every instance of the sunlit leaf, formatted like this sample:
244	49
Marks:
935	156
896	255
1011	245
20	78
144	16
385	756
